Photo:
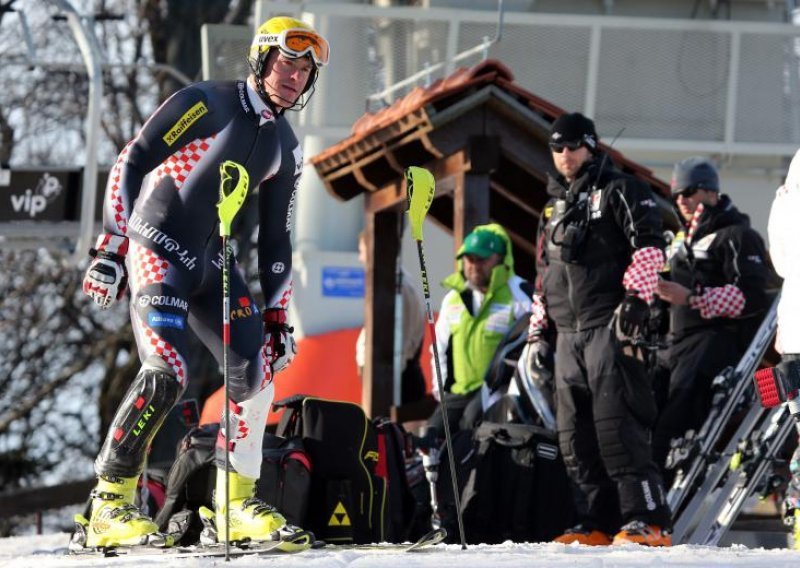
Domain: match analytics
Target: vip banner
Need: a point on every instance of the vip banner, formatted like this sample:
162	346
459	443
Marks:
39	195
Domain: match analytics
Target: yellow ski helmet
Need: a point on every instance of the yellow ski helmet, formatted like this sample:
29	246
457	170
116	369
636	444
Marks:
293	38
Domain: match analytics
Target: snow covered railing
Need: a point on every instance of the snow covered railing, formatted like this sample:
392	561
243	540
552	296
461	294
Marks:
34	501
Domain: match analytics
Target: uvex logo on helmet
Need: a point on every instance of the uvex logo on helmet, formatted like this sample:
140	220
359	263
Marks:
268	39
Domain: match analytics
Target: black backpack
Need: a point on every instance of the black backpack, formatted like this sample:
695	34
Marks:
512	484
405	523
359	492
284	483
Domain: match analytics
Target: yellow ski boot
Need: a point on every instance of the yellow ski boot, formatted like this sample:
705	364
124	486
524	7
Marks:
251	519
116	521
795	521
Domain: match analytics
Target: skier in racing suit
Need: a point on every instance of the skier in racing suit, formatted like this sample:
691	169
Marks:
602	250
160	238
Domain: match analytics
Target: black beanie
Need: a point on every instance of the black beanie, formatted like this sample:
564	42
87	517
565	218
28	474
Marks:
574	127
695	172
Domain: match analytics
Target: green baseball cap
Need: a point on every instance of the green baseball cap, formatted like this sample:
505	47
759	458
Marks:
483	244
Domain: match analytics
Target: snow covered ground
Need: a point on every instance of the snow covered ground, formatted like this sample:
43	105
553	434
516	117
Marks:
43	552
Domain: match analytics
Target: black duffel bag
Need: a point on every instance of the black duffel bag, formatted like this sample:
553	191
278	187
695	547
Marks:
512	484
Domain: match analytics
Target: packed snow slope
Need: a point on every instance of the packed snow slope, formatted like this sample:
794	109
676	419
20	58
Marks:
47	552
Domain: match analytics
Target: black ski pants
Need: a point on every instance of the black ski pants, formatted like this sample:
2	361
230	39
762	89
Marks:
692	362
604	410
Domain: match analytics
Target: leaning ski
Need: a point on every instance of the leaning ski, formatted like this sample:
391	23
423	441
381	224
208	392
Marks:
430	539
748	470
693	455
426	542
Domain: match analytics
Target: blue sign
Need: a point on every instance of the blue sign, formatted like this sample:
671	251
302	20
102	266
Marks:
342	282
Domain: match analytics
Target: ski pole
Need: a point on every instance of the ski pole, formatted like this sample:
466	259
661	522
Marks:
233	185
420	187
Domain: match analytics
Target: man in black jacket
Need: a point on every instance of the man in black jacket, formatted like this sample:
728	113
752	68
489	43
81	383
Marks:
717	287
601	243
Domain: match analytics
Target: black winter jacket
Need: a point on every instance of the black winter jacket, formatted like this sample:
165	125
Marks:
587	235
724	250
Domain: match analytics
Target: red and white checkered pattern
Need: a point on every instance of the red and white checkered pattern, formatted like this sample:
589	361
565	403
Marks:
283	297
538	321
146	266
694	222
157	345
270	352
179	164
641	276
112	243
721	302
116	201
266	367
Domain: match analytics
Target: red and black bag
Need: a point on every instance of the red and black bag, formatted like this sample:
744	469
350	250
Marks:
359	492
284	483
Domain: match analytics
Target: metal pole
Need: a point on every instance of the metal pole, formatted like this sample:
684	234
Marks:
90	52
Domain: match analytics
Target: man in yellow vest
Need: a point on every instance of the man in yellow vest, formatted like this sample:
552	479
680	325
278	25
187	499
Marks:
484	300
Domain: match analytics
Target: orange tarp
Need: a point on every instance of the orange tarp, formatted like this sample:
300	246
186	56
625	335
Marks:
325	366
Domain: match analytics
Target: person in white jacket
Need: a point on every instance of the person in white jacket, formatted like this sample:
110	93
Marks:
784	234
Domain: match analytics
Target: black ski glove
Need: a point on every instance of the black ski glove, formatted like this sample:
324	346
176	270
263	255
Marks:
632	317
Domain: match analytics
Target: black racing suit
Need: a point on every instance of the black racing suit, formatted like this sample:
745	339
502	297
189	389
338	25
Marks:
724	250
162	195
605	405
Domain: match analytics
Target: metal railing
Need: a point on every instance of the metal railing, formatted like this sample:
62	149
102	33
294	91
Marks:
675	85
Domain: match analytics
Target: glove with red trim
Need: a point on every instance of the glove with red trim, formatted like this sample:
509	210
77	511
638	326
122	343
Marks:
279	345
106	278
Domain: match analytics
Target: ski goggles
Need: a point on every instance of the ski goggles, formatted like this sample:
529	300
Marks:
297	42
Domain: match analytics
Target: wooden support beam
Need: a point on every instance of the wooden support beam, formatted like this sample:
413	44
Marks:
471	198
383	241
518	202
389	197
471	207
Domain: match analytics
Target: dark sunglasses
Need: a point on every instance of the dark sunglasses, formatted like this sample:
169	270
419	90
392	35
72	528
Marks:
687	193
558	147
